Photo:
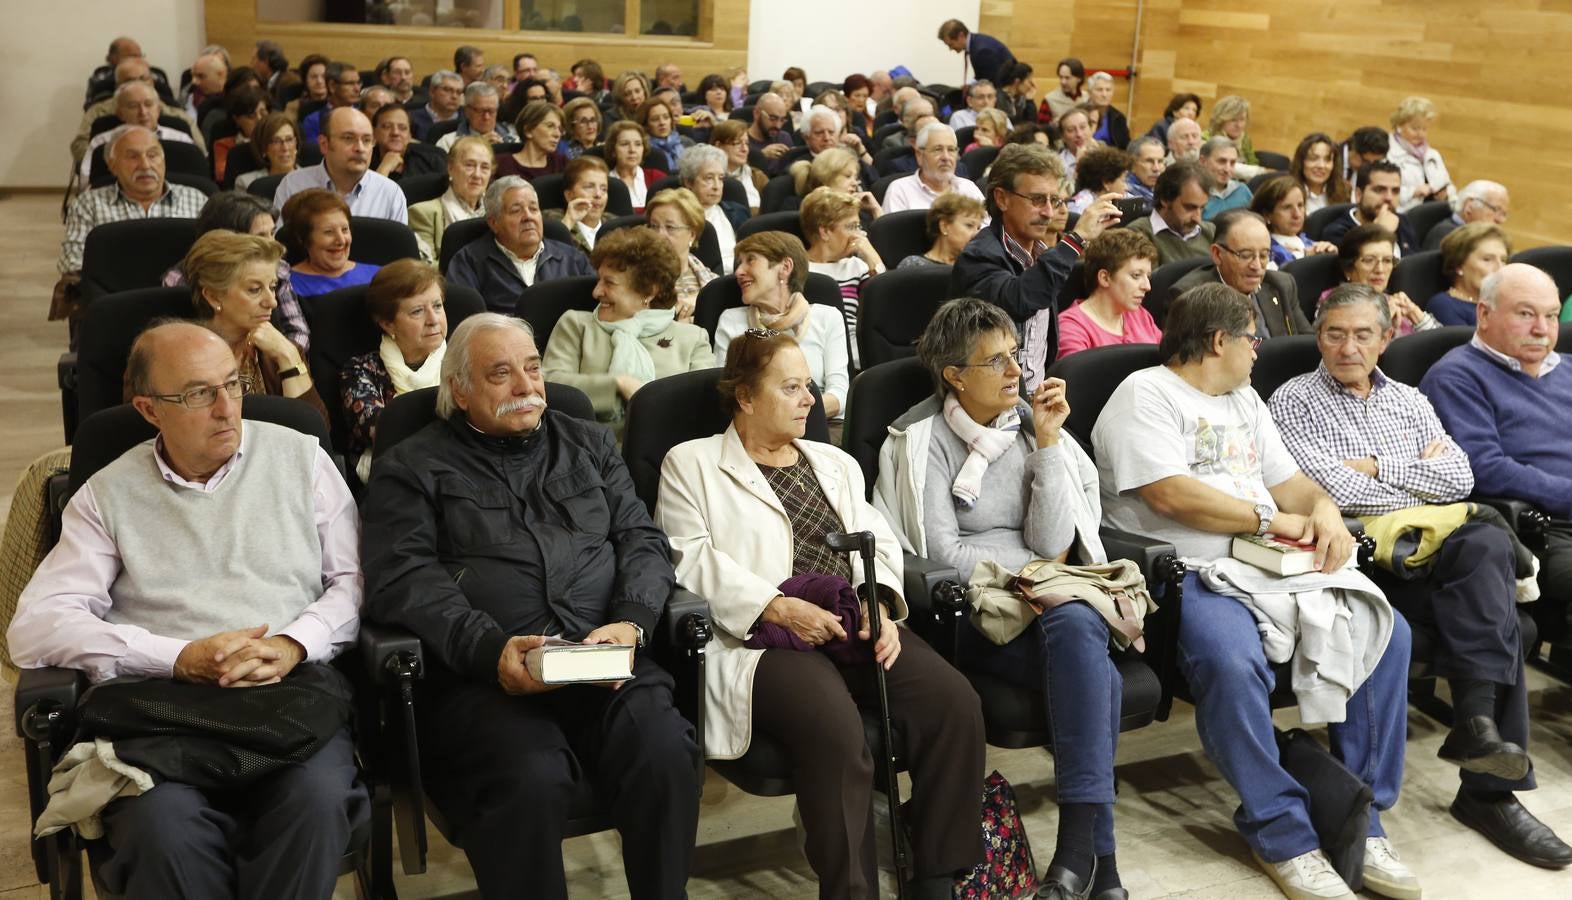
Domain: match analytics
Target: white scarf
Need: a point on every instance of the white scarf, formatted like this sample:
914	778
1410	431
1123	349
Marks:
404	378
986	442
455	210
629	356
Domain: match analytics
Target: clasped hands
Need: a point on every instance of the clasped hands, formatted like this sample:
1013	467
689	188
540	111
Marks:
818	626
240	658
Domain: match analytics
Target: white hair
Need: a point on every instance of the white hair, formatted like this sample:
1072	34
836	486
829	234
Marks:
929	129
1490	288
119	134
499	189
442	75
478	89
1216	143
815	113
1098	78
1476	190
696	157
456	372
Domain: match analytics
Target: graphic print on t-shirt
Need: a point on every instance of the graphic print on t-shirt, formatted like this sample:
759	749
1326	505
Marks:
1228	451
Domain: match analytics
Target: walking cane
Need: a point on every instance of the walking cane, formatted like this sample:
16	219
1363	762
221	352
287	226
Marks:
862	542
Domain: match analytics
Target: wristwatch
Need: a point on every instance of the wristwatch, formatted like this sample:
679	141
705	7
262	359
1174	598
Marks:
290	373
636	630
1264	513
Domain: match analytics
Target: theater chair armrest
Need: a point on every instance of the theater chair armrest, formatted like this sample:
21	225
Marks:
1522	516
1164	573
45	711
935	601
685	625
1158	560
389	653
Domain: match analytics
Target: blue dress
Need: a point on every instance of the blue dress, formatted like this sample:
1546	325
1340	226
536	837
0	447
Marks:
307	285
1449	310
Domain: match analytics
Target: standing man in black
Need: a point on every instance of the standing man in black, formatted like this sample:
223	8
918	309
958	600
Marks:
985	56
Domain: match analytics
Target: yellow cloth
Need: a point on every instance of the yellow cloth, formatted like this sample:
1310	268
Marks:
27	539
1434	523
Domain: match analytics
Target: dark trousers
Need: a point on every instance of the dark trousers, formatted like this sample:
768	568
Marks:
503	771
1470	603
282	837
1555	581
812	707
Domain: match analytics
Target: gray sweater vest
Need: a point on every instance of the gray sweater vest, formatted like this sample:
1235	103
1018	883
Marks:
195	563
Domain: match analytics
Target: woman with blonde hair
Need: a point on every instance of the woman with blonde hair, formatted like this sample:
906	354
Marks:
992	127
953	220
1231	119
1424	174
838	247
628	93
676	215
839	170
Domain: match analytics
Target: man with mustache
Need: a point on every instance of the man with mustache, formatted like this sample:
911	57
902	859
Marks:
140	192
1504	397
345	169
494	527
519	254
159	575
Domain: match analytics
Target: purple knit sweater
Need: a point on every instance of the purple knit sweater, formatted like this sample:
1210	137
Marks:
1516	429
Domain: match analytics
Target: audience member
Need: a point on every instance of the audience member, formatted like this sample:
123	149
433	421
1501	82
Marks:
1478	201
540	128
208	74
756	552
470	63
1281	203
201	601
731	137
1175	225
1147	163
1069	94
136	159
396	153
1314	166
1231	119
984	56
838	247
979	95
703	171
589	79
574	554
277	147
135	104
519	254
655	117
1364	146
497	75
952	221
1187	453
1367	255
524	93
314	224
1424	174
628	93
1075	138
1180	106
822	129
772	269
1119	264
716	97
132	68
991	129
444	98
1009	262
1376	446
669	75
398	76
632	336
1375	203
580	123
1184	141
1469	255
470	163
937	155
372	99
343	91
1220	155
246	107
345	170
768	133
1101	171
481	102
585	184
626	147
105	78
1241	255
1113	128
675	214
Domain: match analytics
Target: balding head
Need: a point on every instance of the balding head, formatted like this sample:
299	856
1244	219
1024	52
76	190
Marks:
136	103
1483	201
133	69
902	97
122	48
1519	311
178	373
769	114
346	142
208	74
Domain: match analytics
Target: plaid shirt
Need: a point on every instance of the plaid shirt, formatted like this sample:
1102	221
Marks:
101	206
1324	423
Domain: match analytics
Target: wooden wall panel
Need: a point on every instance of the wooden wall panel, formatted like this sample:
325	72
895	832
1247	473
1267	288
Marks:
234	24
1496	72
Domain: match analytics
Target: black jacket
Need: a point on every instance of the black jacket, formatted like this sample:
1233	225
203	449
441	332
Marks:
471	539
987	271
1118	128
1277	297
1407	241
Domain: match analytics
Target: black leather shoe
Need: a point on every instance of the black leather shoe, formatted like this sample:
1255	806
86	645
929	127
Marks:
1113	893
1476	746
1060	883
1512	828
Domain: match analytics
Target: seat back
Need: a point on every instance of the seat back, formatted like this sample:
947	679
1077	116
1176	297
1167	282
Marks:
242	158
1426	215
1164	278
420	188
976	161
882	130
265	187
1091	376
1409	358
552	192
789	222
963	135
378	242
542	304
668	411
1556	261
109	326
888	160
1419	276
408	413
776	191
1314	276
1255	183
895	308
898	235
879	395
1273	160
1318	220
107	434
723	294
459	235
125	256
1281	359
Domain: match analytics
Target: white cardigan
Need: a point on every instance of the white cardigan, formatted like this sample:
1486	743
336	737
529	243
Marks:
1415	173
731	541
822	339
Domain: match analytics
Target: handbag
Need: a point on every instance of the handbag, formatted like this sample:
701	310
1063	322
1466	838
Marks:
1003	604
1339	802
1007	868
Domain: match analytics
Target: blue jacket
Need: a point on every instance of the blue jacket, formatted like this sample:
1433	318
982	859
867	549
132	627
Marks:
988	56
483	266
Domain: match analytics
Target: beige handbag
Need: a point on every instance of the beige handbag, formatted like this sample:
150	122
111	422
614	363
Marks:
1004	603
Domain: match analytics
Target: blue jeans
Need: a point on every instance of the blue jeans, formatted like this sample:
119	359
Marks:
1220	656
1064	654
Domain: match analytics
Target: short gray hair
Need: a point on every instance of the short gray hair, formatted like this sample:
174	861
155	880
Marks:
1491	287
480	88
455	359
953	331
697	157
119	134
1145	140
981	82
1215	143
1350	293
922	136
814	113
1474	190
125	87
499	189
442	75
1097	78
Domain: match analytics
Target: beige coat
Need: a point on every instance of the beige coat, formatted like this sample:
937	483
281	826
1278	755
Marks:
731	542
578	353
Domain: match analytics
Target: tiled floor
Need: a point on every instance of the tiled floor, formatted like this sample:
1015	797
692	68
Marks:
1175	829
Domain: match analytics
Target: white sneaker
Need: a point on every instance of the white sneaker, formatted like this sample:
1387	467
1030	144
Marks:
1385	874
1308	876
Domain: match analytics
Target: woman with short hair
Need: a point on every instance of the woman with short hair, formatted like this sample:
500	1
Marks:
1281	202
731	136
626	145
585	187
715	93
676	215
992	127
316	227
1315	167
1231	119
1180	106
1099	171
540	134
703	171
470	162
837	169
632	337
406	301
1367	255
953	220
656	119
1469	254
628	93
580	124
839	247
1119	264
1424	173
277	145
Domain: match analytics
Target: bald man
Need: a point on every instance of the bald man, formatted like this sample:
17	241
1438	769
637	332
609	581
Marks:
345	169
208	75
132	68
102	82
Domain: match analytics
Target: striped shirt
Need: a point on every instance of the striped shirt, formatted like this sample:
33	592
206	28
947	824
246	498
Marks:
100	206
849	275
1324	423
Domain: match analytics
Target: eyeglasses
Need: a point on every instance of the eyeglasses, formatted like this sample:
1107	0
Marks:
1247	256
1490	206
1038	201
999	362
670	229
585	121
1385	262
1254	339
203	397
285	141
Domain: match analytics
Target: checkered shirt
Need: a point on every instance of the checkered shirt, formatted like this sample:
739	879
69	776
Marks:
101	206
811	519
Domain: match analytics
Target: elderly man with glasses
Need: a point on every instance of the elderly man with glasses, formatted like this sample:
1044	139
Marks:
1241	250
1009	262
481	102
162	575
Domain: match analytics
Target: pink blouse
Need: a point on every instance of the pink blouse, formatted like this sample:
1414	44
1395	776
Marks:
1078	332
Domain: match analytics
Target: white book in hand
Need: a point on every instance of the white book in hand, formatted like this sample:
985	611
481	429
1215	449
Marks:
1277	555
560	661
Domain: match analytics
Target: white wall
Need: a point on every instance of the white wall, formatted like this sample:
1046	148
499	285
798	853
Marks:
47	50
830	39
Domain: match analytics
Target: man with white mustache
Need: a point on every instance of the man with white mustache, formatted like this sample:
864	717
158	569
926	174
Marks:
136	158
500	524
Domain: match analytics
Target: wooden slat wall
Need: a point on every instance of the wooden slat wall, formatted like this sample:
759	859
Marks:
234	24
1497	73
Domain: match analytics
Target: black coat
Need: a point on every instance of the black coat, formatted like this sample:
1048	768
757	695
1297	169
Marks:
1118	129
483	266
471	539
986	270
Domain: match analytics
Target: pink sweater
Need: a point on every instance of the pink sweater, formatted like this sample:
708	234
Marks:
1078	332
